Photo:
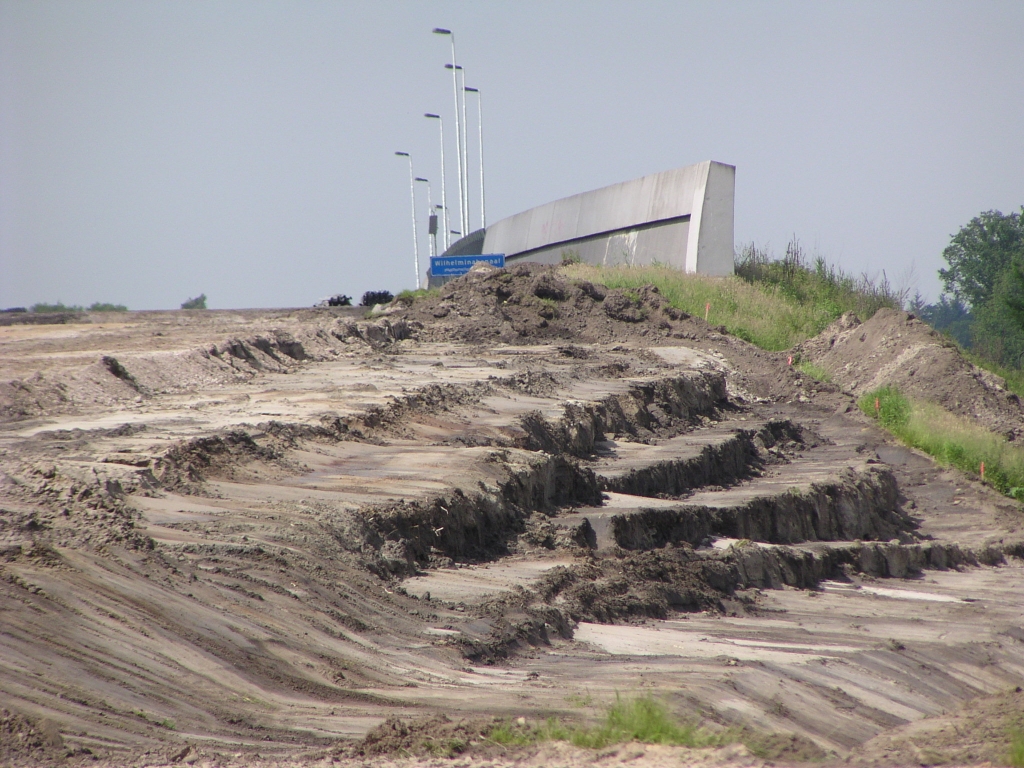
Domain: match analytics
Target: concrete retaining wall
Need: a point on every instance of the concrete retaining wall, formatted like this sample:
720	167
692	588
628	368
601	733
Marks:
682	217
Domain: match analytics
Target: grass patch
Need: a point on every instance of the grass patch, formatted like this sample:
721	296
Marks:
773	304
813	370
1016	756
952	440
646	720
814	281
642	719
755	314
409	296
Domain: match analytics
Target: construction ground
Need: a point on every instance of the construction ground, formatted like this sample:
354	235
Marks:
313	537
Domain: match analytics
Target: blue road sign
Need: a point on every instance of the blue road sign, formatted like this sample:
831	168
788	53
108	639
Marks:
453	266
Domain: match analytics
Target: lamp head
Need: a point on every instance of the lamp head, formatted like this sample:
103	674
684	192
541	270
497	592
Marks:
441	31
431	114
402	154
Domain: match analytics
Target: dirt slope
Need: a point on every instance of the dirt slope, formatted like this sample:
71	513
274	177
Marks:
252	538
894	348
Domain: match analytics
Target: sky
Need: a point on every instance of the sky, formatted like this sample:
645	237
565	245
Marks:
152	151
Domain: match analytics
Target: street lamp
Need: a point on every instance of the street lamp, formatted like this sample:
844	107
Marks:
458	127
480	142
463	148
444	200
431	219
415	239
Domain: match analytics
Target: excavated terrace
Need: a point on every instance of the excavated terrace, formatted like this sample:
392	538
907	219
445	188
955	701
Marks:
370	525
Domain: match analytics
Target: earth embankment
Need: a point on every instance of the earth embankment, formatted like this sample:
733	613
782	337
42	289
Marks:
245	537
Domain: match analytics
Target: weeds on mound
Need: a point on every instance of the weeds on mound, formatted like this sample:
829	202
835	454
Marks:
804	280
755	315
408	296
773	303
813	370
950	439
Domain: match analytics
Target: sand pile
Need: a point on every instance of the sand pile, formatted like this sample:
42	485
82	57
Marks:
894	348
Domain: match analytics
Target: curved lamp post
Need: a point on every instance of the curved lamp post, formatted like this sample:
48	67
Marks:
463	148
458	125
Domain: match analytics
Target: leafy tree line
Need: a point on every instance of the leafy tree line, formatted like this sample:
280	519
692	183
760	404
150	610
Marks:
982	306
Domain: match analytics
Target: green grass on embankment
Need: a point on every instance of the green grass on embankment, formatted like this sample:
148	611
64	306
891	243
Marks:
747	311
952	440
773	304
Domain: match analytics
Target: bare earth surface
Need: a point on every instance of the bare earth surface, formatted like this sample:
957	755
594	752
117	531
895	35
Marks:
254	538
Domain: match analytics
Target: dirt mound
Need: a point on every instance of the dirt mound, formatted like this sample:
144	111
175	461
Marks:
535	302
894	348
433	736
529	304
980	732
29	741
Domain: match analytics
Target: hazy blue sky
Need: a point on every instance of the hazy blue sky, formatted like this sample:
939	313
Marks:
150	151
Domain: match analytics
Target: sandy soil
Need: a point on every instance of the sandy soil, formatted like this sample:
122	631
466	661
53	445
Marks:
235	538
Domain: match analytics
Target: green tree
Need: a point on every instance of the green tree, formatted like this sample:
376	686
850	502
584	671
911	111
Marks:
980	254
997	330
199	302
951	317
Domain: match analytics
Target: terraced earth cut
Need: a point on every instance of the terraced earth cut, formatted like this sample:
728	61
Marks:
243	538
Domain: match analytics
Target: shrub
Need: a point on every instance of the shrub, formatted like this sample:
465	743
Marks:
58	307
376	297
100	306
199	302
